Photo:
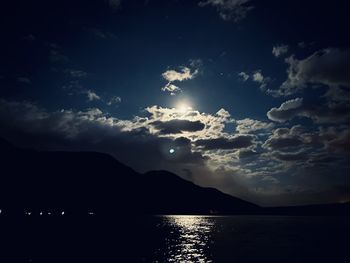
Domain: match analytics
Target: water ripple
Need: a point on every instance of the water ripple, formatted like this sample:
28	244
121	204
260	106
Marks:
189	240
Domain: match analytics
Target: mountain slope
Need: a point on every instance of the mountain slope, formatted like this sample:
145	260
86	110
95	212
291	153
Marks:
179	195
90	181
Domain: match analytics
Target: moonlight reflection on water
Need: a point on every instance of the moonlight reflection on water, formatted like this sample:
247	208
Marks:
190	239
245	239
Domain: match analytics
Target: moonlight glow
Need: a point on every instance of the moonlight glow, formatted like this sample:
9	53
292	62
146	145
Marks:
233	96
183	107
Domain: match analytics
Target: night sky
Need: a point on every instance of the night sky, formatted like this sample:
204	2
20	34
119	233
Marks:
250	97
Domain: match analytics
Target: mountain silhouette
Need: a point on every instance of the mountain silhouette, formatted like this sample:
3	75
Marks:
89	181
83	182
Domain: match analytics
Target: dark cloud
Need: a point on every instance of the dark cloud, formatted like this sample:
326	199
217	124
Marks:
99	33
182	142
286	111
56	56
321	159
296	156
279	143
30	126
247	154
337	94
76	73
24	80
285	139
330	112
114	4
341	142
178	126
238	142
328	140
29	37
229	9
77	58
330	67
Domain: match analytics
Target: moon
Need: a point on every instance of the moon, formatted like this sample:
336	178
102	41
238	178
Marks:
171	151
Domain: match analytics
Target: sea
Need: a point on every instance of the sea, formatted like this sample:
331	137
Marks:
174	238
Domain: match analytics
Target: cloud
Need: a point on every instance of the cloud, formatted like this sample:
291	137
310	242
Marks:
162	123
56	56
24	80
196	63
178	126
29	37
244	153
270	179
337	94
244	76
74	87
312	148
329	67
183	74
280	50
234	163
240	141
256	77
234	10
99	33
214	124
286	111
115	4
331	112
91	129
290	156
259	78
91	95
293	145
248	125
285	138
302	44
114	100
341	142
172	89
75	73
282	142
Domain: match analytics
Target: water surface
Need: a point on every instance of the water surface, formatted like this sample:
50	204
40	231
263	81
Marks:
176	239
252	239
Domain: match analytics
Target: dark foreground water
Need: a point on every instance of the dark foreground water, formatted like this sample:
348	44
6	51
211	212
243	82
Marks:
175	239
